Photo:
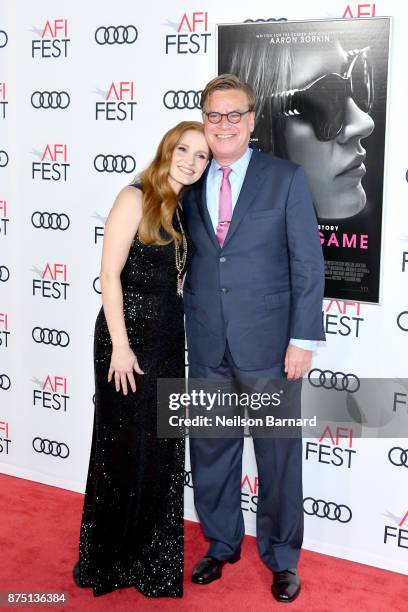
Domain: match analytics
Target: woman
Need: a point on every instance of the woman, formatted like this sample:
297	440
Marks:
132	523
314	102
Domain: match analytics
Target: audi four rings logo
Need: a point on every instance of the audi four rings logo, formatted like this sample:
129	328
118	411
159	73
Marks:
4	159
3	39
5	382
47	220
4	274
114	163
334	380
329	510
116	35
264	20
55	337
50	99
50	447
182	99
398	456
188	480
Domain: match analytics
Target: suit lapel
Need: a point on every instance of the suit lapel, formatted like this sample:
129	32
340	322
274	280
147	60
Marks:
201	198
250	187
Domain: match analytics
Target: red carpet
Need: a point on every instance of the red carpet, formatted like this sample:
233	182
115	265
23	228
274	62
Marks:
39	541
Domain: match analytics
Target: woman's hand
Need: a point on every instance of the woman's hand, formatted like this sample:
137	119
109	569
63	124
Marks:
123	362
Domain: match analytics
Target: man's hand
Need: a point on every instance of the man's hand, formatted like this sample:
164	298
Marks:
297	361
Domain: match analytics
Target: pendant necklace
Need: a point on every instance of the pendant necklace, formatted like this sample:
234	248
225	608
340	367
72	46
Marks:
181	258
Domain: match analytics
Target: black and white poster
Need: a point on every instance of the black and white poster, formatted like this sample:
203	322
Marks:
321	89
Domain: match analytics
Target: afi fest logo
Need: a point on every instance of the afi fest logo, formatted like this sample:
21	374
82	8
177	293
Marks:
53	40
249	493
3	100
4	330
192	34
52	394
342	318
52	282
359	10
397	536
53	165
5	440
333	448
99	230
4	219
119	102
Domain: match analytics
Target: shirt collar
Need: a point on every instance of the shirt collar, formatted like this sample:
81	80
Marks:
239	167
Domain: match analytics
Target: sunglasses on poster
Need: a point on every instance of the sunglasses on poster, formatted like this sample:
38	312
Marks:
323	102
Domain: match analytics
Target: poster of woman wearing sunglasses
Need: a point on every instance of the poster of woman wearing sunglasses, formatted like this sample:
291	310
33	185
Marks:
321	89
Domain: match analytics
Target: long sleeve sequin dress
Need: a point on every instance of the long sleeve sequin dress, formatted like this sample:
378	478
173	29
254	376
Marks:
132	523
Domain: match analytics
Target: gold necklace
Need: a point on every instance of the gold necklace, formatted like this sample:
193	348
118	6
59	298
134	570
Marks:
181	258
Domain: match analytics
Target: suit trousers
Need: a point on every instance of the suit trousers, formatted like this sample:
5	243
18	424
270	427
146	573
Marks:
216	465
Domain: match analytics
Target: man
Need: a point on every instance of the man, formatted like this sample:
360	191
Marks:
253	299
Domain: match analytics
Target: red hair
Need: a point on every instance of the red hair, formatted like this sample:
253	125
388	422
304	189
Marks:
159	199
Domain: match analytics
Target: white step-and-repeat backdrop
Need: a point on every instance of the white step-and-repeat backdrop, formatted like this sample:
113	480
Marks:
85	96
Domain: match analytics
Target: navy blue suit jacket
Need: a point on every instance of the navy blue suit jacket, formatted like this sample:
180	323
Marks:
266	284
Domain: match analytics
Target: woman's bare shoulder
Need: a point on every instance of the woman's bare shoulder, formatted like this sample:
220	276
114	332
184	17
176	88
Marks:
129	198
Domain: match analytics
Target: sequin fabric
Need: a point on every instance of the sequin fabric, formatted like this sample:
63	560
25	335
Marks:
132	523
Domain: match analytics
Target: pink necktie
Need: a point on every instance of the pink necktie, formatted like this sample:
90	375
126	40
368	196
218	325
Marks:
224	206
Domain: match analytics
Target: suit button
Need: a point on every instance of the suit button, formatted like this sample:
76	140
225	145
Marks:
224	290
223	259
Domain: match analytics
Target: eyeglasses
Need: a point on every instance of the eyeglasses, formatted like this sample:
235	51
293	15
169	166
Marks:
233	116
323	102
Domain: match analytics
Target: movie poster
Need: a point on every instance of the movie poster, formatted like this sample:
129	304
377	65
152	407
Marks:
321	89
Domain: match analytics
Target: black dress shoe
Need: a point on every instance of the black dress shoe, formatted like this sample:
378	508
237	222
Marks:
209	569
286	585
76	576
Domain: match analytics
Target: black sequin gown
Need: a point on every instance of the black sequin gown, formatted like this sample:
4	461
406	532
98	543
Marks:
132	523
